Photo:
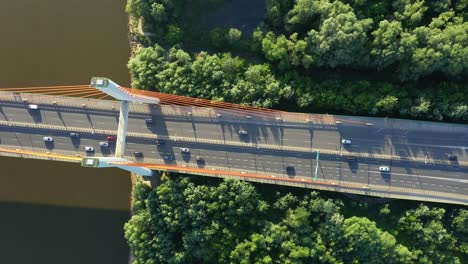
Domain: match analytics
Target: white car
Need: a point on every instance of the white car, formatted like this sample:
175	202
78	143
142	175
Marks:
47	139
89	149
384	169
345	141
104	144
184	150
243	132
33	106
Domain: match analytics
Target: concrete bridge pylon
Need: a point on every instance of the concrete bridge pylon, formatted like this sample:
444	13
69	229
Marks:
125	97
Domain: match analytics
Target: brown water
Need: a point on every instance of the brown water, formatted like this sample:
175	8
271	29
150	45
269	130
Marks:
54	212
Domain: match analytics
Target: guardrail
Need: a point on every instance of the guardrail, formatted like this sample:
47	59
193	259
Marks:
327	185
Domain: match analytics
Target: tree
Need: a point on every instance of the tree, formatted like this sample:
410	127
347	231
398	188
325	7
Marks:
218	37
234	35
145	65
460	227
341	39
276	11
387	104
386	47
410	12
305	15
442	46
368	244
460	223
174	34
258	87
138	8
423	232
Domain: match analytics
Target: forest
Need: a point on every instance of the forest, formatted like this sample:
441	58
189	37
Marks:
403	58
195	220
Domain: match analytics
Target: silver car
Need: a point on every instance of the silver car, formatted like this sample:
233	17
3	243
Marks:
384	169
185	150
345	141
89	149
47	139
243	132
104	144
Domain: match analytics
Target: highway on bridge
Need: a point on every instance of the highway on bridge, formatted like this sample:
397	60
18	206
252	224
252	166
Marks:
416	152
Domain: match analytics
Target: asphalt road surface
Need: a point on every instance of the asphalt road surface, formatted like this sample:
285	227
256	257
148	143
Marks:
429	142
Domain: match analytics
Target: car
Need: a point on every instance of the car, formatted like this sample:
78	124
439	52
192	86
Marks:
47	139
104	144
159	142
185	150
89	149
168	157
290	168
384	169
149	120
452	157
243	132
111	138
200	159
351	158
138	154
33	106
345	141
74	135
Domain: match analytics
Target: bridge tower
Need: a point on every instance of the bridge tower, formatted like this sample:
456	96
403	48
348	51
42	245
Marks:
116	91
125	97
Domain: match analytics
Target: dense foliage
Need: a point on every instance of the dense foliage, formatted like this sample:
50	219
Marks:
403	58
231	221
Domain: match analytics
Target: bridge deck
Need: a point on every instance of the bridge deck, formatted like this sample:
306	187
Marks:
415	151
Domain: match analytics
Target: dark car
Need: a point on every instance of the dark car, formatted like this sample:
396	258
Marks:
168	157
350	158
290	168
200	159
74	135
137	154
149	120
452	157
159	142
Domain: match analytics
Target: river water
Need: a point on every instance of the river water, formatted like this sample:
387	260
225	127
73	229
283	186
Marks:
55	212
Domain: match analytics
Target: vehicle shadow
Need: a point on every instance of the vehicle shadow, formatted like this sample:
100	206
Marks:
105	150
353	164
386	176
36	115
186	157
49	145
76	142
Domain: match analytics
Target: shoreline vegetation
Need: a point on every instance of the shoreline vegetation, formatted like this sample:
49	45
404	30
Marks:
190	219
406	59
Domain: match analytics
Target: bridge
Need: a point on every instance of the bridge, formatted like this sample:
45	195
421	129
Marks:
427	161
